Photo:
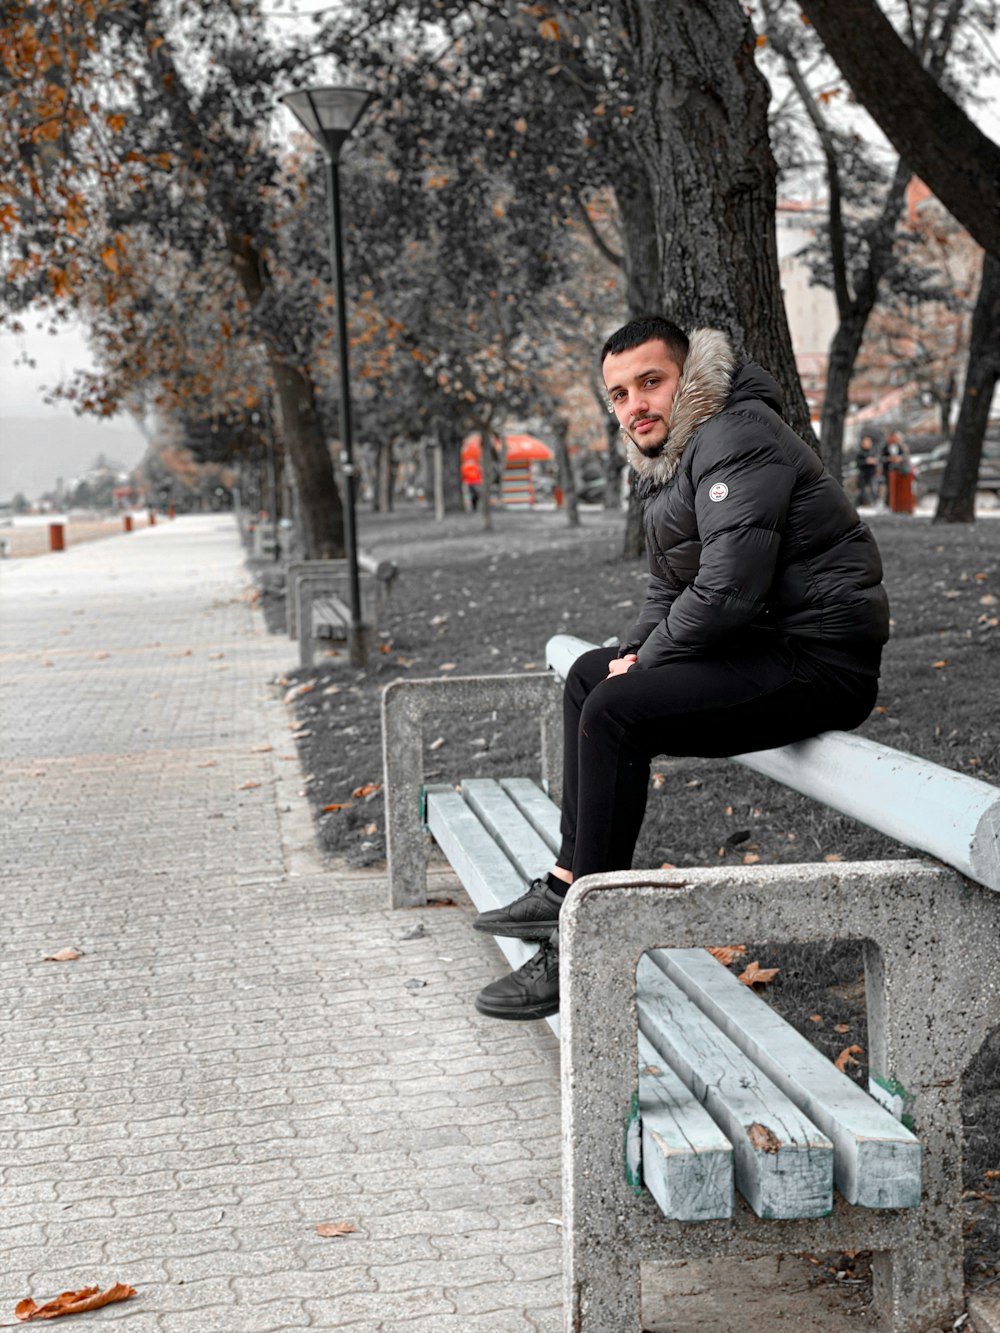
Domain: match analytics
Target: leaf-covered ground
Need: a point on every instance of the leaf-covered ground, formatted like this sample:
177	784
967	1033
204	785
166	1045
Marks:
472	602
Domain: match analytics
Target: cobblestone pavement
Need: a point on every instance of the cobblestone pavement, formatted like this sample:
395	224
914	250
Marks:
249	1045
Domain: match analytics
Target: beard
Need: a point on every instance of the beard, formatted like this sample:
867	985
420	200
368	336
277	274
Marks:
652	443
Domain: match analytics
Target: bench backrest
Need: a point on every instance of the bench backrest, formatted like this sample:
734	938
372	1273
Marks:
933	809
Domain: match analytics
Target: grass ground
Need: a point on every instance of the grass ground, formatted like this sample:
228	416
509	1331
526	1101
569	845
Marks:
471	602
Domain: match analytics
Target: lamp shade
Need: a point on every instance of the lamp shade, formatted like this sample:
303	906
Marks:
329	114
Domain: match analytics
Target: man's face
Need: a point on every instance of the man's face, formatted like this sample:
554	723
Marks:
641	384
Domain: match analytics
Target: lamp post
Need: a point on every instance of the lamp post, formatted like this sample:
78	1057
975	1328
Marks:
329	115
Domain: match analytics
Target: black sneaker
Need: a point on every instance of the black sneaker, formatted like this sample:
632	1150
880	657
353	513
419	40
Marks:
533	916
530	992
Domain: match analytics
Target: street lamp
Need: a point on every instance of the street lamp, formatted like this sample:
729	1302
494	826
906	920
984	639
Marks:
329	115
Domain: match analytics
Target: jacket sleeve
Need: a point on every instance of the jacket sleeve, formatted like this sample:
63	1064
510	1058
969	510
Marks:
660	596
741	505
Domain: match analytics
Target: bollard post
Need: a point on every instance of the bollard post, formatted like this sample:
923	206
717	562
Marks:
152	518
171	512
57	537
127	522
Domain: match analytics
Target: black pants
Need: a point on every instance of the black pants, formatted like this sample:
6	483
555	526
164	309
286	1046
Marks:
765	691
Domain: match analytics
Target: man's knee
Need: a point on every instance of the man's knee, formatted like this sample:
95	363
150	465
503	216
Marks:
589	669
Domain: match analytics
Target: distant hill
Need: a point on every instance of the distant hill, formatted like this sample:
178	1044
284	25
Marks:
36	451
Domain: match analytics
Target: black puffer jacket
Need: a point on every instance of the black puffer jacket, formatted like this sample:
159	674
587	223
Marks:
744	526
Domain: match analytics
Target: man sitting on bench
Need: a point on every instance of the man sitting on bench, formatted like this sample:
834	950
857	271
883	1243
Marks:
763	623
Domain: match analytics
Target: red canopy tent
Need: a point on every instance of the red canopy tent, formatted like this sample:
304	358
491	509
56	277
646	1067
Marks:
520	449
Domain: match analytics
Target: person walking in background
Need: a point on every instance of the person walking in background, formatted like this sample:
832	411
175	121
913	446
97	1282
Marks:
866	466
763	623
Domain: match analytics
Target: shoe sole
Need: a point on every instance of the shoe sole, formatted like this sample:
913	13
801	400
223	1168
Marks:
523	1015
538	931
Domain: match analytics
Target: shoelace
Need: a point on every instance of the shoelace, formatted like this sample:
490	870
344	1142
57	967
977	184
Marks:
540	961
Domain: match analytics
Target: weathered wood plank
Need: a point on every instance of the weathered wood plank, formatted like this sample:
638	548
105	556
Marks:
486	874
877	1161
520	842
540	812
783	1163
687	1161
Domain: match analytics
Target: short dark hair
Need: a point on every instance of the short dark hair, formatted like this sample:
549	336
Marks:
638	331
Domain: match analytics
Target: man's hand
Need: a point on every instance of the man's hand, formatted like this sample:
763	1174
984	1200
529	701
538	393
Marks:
619	665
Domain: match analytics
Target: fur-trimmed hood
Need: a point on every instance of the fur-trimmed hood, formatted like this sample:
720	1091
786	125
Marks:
704	389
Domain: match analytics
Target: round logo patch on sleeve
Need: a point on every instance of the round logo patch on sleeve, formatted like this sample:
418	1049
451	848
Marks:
719	491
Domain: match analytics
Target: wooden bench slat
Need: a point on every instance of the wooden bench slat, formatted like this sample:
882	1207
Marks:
486	874
783	1163
531	856
538	809
877	1161
687	1161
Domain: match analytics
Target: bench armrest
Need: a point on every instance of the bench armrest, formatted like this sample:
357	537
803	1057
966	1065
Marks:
406	704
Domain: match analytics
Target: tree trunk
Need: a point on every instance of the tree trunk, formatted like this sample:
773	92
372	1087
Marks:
956	502
928	130
634	544
701	124
319	514
383	477
560	433
450	443
640	243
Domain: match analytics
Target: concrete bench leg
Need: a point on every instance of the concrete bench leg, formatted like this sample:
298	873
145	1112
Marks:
933	982
406	704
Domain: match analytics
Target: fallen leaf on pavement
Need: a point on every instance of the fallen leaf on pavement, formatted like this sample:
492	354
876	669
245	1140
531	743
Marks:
74	1302
447	666
833	856
938	665
69	955
262	749
750	859
815	1018
246	786
755	975
725	953
335	1229
368	789
209	763
842	1027
338	805
659	779
846	1057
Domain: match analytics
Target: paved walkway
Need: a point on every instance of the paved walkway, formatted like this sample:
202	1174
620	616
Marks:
243	1051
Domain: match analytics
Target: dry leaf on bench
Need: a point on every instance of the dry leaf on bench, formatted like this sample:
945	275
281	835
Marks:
755	975
725	953
74	1302
762	1138
69	955
335	1229
846	1057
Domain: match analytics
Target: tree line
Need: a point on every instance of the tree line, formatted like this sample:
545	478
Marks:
530	175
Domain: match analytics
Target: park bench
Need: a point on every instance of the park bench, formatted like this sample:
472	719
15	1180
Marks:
317	600
710	1088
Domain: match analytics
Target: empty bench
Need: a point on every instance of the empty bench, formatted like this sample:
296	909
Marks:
317	600
714	1093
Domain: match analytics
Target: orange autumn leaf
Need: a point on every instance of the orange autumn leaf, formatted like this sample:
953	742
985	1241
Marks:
725	953
755	975
338	805
248	786
109	258
367	790
74	1302
938	665
335	1229
846	1057
69	955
